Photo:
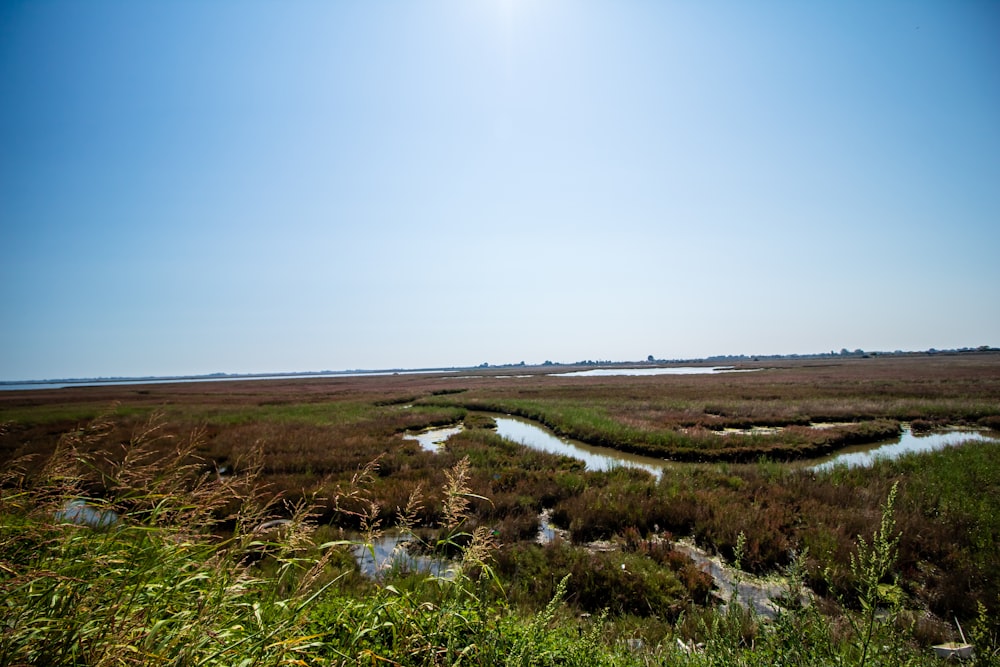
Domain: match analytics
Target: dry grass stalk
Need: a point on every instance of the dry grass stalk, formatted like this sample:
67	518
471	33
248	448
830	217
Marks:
409	515
456	494
160	581
481	548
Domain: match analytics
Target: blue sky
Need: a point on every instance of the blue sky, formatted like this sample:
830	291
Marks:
191	187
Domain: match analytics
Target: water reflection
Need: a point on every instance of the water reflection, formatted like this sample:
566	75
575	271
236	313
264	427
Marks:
547	531
389	554
603	458
596	458
673	370
907	443
535	436
83	514
432	439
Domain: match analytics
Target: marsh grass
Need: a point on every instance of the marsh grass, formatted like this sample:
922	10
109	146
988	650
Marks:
156	584
802	634
190	488
176	578
188	574
682	437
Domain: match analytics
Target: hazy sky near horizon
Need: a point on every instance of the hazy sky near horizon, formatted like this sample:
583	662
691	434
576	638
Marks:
196	187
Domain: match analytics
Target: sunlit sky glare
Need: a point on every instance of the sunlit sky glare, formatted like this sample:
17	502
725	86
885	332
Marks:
197	187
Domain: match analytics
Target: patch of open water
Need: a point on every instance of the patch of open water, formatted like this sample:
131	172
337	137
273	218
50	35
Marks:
907	443
531	435
671	370
389	553
432	439
761	595
84	514
535	436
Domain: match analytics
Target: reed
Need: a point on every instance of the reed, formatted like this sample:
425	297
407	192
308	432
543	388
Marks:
190	470
138	575
171	563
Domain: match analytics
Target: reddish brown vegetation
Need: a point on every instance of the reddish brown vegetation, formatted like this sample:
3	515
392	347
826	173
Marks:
315	434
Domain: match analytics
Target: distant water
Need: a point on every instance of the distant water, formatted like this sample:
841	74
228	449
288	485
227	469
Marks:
97	382
527	433
673	370
100	382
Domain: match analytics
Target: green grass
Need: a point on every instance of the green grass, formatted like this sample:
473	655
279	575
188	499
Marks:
602	422
167	584
159	586
131	595
63	414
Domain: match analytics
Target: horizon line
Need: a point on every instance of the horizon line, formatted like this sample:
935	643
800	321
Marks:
220	375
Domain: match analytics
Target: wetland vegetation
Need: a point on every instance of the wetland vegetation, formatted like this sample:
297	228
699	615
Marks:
878	562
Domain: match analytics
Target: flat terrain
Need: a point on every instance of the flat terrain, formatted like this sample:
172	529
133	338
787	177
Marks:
678	417
730	490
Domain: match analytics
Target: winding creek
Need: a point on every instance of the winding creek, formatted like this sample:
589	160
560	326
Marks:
533	435
540	438
731	584
907	443
750	592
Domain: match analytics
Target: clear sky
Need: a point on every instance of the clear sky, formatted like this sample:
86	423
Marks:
196	187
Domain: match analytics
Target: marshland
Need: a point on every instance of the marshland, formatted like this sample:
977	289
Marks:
514	554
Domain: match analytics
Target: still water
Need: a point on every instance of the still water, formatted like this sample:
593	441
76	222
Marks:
673	370
535	436
531	435
907	443
431	440
389	553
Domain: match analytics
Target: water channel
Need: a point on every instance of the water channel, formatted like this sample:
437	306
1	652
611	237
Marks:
539	438
535	436
732	585
907	443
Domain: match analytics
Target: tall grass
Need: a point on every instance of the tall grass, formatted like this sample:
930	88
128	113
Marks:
179	572
149	581
689	437
174	565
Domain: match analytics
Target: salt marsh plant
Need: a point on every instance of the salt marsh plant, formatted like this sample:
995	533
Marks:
171	567
181	576
156	584
872	569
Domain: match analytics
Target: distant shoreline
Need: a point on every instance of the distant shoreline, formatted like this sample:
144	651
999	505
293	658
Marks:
12	385
213	377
